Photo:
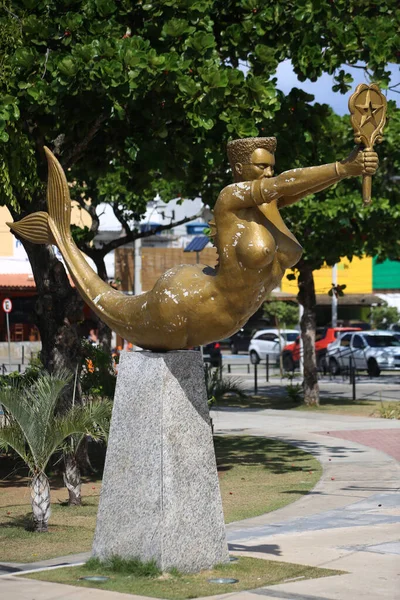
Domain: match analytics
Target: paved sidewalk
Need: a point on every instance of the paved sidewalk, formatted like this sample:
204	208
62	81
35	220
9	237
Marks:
386	440
350	521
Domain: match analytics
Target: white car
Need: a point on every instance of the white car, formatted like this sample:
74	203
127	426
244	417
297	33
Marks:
270	342
372	351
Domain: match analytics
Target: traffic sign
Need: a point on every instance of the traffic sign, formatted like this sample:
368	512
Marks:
7	305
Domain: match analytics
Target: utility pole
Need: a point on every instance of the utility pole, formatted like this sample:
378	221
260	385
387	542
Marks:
301	359
334	296
138	267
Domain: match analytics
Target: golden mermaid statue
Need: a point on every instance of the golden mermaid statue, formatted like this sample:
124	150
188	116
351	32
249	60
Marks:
191	305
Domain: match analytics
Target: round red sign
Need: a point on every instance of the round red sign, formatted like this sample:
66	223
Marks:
7	305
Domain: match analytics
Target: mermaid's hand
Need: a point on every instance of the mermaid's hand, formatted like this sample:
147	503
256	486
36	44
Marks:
359	162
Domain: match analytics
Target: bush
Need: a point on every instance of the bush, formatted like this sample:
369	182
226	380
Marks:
98	375
217	385
294	391
382	317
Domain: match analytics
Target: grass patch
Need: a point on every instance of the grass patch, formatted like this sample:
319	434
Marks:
251	572
71	528
389	410
337	406
123	566
345	406
256	476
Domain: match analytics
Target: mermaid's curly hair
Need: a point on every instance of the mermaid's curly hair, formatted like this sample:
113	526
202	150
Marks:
240	151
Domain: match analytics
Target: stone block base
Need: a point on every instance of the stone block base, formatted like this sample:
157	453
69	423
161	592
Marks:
160	495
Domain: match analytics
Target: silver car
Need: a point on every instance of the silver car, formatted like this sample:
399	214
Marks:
271	342
372	351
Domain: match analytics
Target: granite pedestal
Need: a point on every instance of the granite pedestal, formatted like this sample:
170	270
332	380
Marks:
160	495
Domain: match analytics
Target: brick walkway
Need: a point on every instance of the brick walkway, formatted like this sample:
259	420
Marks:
385	440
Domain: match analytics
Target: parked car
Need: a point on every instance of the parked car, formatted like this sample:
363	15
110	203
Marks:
212	354
271	342
239	342
324	336
373	351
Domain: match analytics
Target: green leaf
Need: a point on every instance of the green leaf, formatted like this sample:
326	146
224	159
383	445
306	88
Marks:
266	55
67	66
206	123
201	41
105	8
176	27
25	57
187	85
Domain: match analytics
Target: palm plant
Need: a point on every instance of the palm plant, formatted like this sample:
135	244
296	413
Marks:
71	448
35	432
217	386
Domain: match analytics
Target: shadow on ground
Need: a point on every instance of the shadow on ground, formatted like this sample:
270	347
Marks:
274	397
273	455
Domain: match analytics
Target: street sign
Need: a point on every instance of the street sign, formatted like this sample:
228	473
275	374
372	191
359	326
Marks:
7	305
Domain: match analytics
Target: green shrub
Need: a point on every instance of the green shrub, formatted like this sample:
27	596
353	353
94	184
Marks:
294	391
217	385
98	375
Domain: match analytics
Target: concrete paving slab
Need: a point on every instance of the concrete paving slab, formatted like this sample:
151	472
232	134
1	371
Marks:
19	588
7	567
385	548
370	575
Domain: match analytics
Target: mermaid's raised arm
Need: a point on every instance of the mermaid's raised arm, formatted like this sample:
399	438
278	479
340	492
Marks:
296	184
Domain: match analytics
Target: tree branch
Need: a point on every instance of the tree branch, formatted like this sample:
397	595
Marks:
120	216
135	235
75	153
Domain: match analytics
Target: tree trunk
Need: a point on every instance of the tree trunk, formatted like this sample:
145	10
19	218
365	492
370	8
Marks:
40	501
72	480
58	311
82	457
306	297
104	332
104	335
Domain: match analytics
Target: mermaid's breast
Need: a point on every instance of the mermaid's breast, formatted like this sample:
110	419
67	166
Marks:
288	253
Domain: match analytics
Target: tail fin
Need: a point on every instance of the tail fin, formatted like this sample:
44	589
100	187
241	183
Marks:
36	227
58	198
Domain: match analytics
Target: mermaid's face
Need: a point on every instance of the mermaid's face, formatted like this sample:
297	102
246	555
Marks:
261	165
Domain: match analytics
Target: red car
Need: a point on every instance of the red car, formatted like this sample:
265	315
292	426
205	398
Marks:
324	337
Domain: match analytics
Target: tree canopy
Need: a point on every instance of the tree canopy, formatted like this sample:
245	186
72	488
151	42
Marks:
135	98
138	98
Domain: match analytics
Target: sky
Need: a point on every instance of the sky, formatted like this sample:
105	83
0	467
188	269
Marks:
322	88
